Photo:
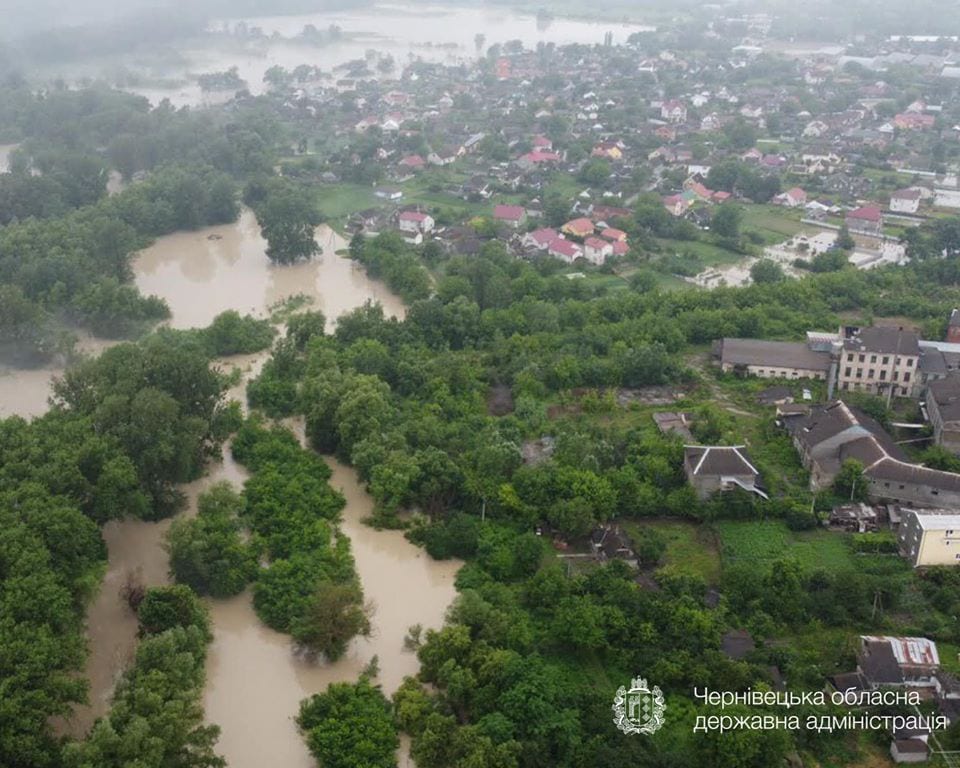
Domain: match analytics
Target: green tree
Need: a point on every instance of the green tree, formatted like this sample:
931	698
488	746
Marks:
333	617
766	271
288	217
350	725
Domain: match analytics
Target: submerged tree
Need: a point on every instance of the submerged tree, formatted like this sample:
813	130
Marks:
288	217
334	616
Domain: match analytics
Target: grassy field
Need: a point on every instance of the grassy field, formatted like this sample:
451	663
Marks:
773	223
711	255
763	541
691	549
338	201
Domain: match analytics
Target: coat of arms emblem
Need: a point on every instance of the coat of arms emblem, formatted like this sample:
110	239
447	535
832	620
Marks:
639	710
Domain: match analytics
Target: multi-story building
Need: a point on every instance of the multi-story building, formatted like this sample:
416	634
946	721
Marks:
881	360
943	408
930	536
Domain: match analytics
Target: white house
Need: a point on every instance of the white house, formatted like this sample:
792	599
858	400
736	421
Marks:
905	200
597	251
673	111
414	221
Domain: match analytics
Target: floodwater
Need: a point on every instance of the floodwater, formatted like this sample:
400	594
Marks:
25	392
434	33
206	272
255	678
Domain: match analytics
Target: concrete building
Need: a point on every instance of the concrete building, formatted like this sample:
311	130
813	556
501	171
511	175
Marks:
905	201
713	468
828	435
867	220
772	359
943	409
930	537
881	360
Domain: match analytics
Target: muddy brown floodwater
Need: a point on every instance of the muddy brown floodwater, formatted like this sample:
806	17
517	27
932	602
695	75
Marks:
203	273
255	679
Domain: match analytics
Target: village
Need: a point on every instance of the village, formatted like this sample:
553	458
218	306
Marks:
789	160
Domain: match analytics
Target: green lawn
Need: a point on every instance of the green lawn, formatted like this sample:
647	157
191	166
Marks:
711	255
773	223
764	541
691	549
337	201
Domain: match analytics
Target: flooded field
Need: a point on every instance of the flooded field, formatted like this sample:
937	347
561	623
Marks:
432	33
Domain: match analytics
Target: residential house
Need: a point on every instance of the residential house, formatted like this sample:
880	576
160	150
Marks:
565	249
415	221
714	468
413	163
597	250
540	239
673	111
443	156
388	193
792	198
854	518
930	536
943	409
608	150
537	158
866	220
614	235
898	662
513	216
830	434
582	227
905	201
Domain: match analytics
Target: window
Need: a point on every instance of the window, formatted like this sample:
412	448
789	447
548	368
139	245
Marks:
883	375
909	362
896	375
873	358
847	371
871	374
957	556
886	359
859	373
849	358
903	391
886	485
862	357
934	493
901	487
906	376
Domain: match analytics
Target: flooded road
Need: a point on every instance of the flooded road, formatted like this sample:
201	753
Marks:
203	273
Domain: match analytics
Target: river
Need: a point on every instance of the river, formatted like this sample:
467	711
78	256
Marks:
255	680
405	31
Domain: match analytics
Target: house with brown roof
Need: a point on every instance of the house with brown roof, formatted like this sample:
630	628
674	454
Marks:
866	220
512	215
905	200
717	468
581	227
